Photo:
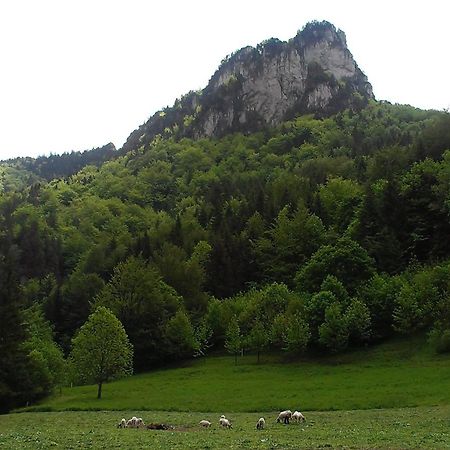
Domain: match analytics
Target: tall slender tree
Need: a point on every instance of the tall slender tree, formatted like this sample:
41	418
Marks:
233	339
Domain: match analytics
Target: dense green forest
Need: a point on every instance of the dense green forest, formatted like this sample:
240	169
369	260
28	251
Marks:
315	236
19	172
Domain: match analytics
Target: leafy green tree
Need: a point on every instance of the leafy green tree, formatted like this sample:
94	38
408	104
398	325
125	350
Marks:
141	300
388	163
431	286
315	311
278	331
215	319
333	285
264	304
203	337
288	244
339	199
101	350
180	336
334	333
297	335
379	294
258	338
408	313
358	322
346	260
233	338
318	170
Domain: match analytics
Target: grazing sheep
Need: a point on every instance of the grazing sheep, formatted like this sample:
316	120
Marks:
260	424
298	417
140	423
132	423
284	416
205	423
122	424
225	422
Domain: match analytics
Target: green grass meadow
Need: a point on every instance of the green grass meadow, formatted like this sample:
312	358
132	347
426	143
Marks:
393	375
395	395
393	428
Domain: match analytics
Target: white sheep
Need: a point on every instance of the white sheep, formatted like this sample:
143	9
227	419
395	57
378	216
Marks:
132	423
298	416
224	422
122	424
284	416
205	423
260	424
140	423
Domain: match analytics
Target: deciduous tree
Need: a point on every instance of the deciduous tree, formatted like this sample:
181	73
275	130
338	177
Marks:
233	339
101	350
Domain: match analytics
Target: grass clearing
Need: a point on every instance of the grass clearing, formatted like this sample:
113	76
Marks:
394	428
397	374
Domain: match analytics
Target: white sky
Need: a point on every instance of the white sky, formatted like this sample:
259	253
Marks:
77	74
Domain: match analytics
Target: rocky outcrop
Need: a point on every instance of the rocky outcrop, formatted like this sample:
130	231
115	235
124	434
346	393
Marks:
257	87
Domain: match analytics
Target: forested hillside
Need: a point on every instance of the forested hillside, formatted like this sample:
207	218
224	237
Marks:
17	173
312	236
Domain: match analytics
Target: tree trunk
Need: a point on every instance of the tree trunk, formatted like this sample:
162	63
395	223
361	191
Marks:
99	392
258	356
235	358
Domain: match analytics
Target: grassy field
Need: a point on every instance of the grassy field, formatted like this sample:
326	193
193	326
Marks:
396	395
422	427
393	375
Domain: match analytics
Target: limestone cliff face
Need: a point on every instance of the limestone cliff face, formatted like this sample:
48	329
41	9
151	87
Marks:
256	87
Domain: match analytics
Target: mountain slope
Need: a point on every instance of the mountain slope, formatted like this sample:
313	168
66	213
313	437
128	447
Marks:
257	87
25	171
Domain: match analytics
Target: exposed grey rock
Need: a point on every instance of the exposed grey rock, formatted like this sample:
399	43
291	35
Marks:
256	87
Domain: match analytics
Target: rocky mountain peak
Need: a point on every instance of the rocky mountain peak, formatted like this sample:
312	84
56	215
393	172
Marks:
255	87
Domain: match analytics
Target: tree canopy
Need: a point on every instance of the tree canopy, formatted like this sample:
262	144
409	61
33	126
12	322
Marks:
101	350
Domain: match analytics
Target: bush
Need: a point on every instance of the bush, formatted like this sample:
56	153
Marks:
440	339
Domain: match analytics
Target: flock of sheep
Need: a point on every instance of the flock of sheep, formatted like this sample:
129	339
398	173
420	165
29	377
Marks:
134	422
284	417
